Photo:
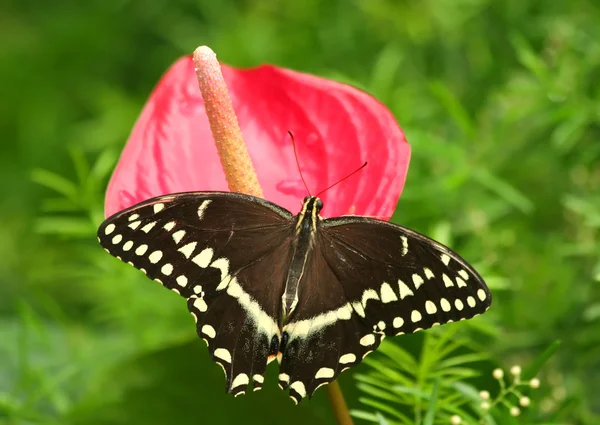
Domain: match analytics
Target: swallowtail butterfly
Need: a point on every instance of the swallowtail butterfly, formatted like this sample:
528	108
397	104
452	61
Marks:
316	294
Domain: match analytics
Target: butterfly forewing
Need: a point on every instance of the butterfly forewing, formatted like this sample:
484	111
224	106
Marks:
317	294
228	255
408	281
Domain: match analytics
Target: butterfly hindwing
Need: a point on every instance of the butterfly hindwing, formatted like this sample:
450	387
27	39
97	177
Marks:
204	246
323	332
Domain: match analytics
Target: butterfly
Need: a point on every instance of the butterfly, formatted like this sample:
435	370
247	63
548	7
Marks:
316	294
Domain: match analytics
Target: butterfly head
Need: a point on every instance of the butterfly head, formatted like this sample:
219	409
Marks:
312	203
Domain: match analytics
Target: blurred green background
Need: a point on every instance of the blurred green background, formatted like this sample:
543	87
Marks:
501	103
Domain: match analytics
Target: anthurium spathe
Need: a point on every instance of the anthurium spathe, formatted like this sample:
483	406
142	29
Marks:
336	128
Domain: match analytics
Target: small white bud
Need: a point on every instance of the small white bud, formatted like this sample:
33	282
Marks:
485	405
498	373
524	401
534	383
515	411
515	370
455	420
484	395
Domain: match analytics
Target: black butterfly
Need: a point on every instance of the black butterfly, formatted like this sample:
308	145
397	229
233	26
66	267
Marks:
316	294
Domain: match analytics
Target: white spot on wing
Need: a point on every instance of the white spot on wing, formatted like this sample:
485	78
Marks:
158	208
347	358
204	258
447	281
155	257
182	280
200	304
415	316
133	217
127	245
471	301
117	239
223	354
188	249
141	250
445	305
178	236
109	229
461	283
298	386
134	225
405	291
169	226
167	269
369	294
404	245
357	306
387	294
463	274
430	307
417	280
325	373
258	378
367	340
224	282
221	264
209	331
202	208
445	259
428	273
241	379
481	294
459	305
284	377
148	226
398	322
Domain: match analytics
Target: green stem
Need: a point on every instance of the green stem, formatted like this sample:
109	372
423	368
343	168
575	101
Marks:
338	404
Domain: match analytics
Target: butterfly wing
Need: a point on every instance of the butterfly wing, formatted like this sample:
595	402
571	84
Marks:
203	245
323	332
371	279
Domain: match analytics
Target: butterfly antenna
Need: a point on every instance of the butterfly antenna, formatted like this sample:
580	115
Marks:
345	178
298	162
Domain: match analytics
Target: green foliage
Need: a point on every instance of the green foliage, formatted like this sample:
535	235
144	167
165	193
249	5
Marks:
500	102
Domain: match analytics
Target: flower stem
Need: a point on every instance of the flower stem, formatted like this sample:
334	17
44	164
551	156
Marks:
237	165
338	404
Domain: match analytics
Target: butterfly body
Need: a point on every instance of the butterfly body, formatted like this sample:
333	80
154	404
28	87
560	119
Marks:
305	231
317	294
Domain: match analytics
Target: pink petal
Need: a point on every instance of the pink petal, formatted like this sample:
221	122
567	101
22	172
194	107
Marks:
336	128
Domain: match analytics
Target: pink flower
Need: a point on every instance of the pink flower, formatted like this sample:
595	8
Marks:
336	127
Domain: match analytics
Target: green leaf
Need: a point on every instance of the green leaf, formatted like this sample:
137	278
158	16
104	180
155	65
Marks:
432	406
382	407
503	189
379	393
367	416
55	182
63	226
462	359
453	107
536	365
